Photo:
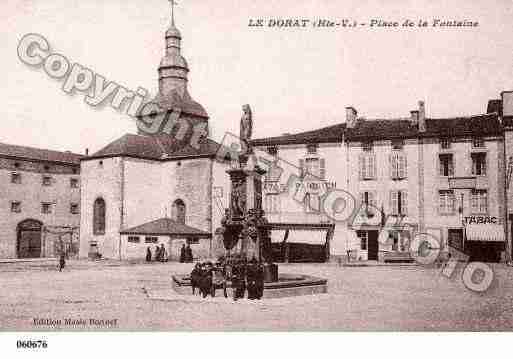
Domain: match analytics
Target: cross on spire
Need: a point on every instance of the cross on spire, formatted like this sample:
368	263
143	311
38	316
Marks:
173	3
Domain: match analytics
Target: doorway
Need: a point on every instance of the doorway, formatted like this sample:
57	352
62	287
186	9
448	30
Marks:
28	243
455	238
373	246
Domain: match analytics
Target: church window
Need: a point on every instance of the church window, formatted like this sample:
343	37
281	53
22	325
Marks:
99	216
178	211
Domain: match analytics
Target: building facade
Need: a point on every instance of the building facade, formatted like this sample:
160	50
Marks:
40	194
156	187
404	177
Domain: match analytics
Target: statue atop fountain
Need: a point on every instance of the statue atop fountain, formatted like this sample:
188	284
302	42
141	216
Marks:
244	225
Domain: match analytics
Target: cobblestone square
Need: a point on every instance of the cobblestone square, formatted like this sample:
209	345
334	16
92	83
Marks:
358	299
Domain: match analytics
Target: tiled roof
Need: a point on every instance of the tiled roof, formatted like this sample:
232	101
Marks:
185	103
39	154
326	134
486	124
378	129
165	226
158	147
480	125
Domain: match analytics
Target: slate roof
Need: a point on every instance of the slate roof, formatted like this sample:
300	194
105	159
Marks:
166	226
158	147
376	129
326	134
38	154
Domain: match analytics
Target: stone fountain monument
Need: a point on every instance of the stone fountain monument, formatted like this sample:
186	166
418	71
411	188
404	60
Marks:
244	225
245	230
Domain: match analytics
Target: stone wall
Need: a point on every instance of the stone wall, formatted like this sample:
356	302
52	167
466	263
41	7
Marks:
31	193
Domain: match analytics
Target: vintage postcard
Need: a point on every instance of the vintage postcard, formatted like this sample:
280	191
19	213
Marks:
177	166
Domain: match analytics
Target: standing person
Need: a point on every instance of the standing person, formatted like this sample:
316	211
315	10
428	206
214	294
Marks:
239	280
62	261
188	253
163	253
260	281
157	253
182	254
252	277
148	254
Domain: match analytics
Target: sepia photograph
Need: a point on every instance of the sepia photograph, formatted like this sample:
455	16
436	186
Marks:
243	166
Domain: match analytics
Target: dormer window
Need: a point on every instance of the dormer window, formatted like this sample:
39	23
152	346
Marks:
367	146
397	144
445	143
311	148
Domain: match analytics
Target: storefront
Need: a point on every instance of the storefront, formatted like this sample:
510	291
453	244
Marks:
484	242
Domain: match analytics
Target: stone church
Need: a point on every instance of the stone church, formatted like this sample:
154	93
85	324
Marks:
144	190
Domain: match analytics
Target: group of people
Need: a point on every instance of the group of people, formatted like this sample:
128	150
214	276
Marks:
186	254
243	275
161	254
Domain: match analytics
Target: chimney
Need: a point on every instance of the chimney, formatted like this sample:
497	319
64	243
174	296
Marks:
422	117
87	152
351	114
507	103
414	118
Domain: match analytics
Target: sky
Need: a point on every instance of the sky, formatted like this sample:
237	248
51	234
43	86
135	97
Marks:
295	79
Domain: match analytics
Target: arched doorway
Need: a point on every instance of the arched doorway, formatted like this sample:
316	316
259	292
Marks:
28	243
178	211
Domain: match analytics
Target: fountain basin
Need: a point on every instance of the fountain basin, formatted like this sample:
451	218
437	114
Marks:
287	285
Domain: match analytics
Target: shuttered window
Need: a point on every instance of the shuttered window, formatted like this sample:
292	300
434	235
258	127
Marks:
367	166
398	165
368	200
479	201
446	202
399	203
446	165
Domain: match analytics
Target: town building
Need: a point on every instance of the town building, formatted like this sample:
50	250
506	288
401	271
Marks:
148	189
442	177
40	202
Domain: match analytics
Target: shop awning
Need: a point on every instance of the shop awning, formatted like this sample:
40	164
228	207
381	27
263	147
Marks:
485	232
313	236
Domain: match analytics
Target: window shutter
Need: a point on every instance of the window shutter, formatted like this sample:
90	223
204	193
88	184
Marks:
322	164
361	166
402	166
391	164
301	167
451	166
362	198
404	202
393	202
372	166
441	202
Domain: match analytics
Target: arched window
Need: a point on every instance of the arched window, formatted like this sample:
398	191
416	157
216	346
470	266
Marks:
99	216
178	211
